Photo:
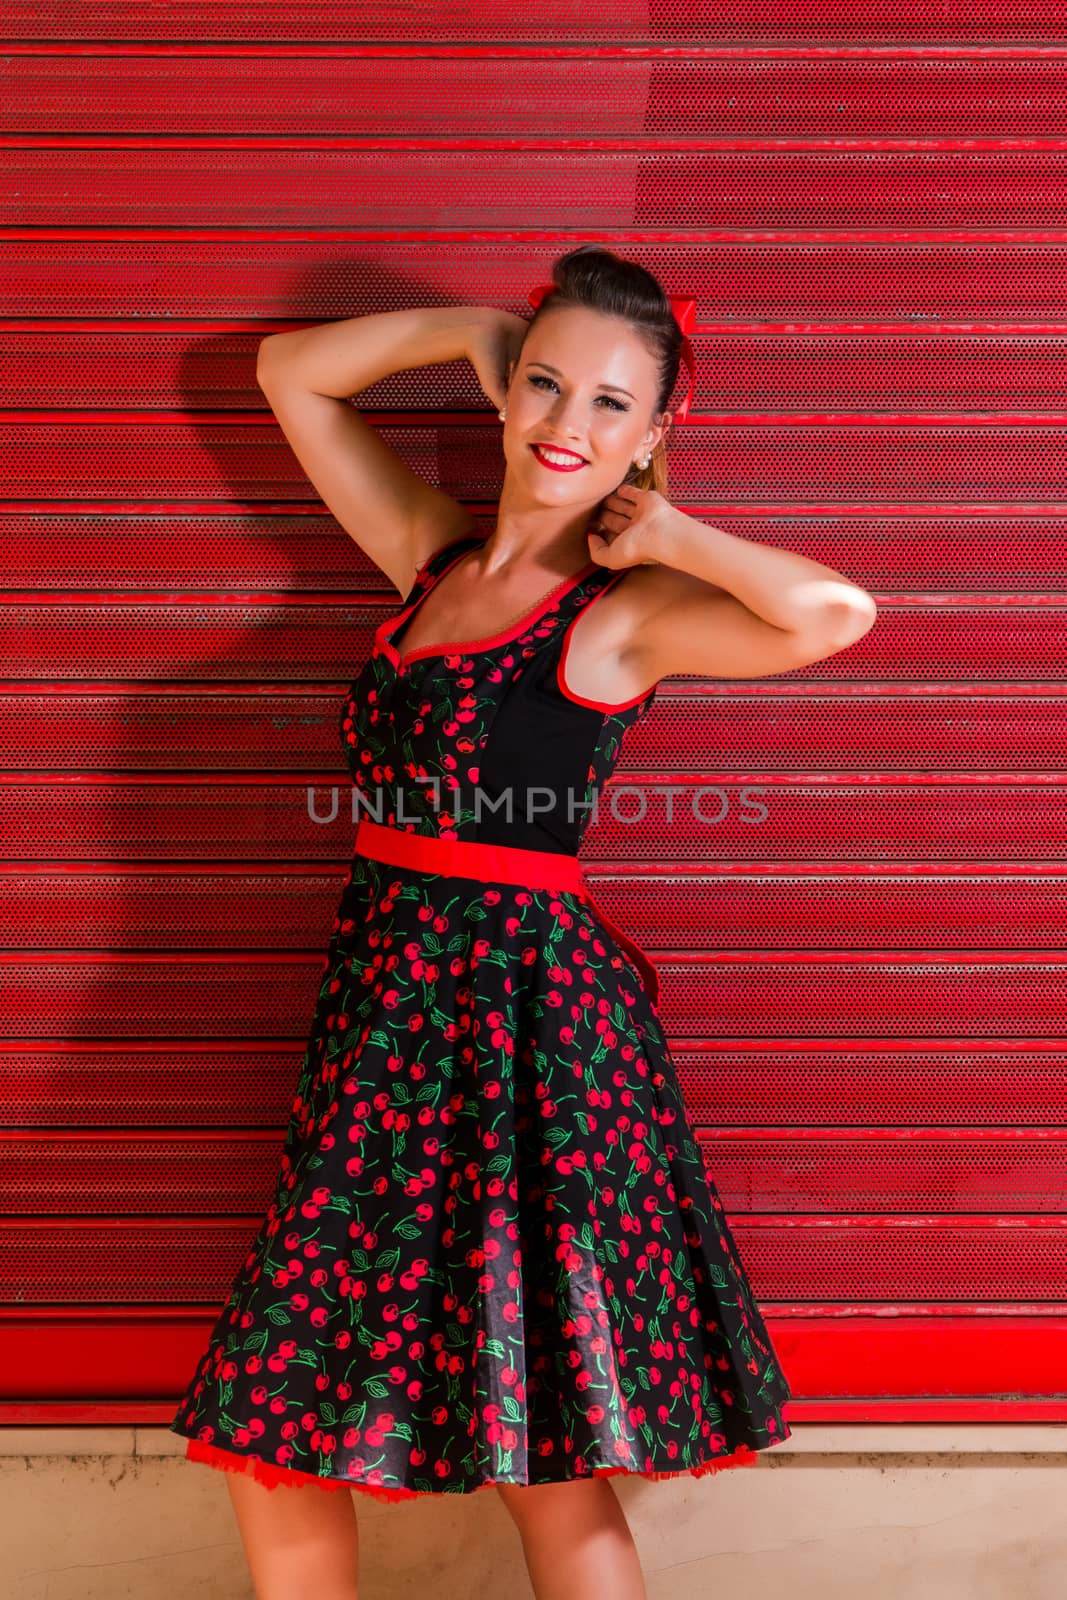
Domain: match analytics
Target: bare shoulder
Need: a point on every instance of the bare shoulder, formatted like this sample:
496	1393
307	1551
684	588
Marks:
435	519
439	520
639	594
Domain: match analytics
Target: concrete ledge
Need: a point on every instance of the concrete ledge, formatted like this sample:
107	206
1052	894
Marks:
883	1511
820	1439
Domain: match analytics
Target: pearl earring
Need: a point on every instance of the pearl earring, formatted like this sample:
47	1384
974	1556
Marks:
643	461
502	413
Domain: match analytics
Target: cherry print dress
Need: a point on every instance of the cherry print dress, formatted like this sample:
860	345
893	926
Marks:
493	1254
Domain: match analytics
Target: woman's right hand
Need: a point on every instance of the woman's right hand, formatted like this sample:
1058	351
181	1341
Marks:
493	343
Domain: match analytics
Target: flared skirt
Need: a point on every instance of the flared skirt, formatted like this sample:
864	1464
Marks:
493	1252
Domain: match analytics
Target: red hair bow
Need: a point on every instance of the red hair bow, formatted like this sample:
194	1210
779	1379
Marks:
685	311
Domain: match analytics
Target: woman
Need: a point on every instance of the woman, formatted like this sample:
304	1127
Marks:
494	1255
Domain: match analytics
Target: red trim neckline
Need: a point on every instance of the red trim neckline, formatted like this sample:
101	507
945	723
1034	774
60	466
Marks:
451	647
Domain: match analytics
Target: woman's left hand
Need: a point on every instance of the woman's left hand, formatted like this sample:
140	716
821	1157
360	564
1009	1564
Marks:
629	529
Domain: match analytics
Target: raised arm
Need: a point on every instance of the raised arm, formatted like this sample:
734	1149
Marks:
308	375
711	604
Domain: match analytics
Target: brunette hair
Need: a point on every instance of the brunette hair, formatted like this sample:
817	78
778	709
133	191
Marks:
593	276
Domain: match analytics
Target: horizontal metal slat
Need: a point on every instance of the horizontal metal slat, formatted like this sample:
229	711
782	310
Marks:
803	28
724	997
854	273
860	739
742	369
309	92
212	183
330	641
289	553
243	459
861	1260
203	1086
781	1171
202	907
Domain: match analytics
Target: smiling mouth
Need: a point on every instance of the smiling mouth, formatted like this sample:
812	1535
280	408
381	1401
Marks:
558	460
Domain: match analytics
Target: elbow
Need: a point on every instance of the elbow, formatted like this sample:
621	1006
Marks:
851	619
267	357
261	360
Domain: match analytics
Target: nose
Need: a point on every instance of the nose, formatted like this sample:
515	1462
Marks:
567	430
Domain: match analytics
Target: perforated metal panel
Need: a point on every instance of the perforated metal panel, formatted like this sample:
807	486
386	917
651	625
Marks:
853	877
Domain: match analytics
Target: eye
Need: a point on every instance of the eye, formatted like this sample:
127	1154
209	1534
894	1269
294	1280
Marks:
538	378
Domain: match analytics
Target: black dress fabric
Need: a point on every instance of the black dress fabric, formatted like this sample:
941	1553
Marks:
494	1254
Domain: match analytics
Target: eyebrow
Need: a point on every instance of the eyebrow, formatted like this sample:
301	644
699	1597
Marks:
557	374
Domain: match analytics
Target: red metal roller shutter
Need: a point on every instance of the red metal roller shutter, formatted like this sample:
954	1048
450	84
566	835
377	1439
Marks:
863	957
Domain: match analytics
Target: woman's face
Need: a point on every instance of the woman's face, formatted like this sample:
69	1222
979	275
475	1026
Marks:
584	385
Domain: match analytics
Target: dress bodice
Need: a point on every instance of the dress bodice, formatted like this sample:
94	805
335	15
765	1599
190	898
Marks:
479	739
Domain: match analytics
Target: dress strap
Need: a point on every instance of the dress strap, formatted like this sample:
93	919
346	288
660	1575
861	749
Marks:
437	564
595	583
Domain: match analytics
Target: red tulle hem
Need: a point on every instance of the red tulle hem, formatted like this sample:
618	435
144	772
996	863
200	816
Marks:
273	1477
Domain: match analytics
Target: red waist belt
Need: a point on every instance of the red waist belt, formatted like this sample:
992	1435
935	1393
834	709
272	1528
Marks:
495	863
